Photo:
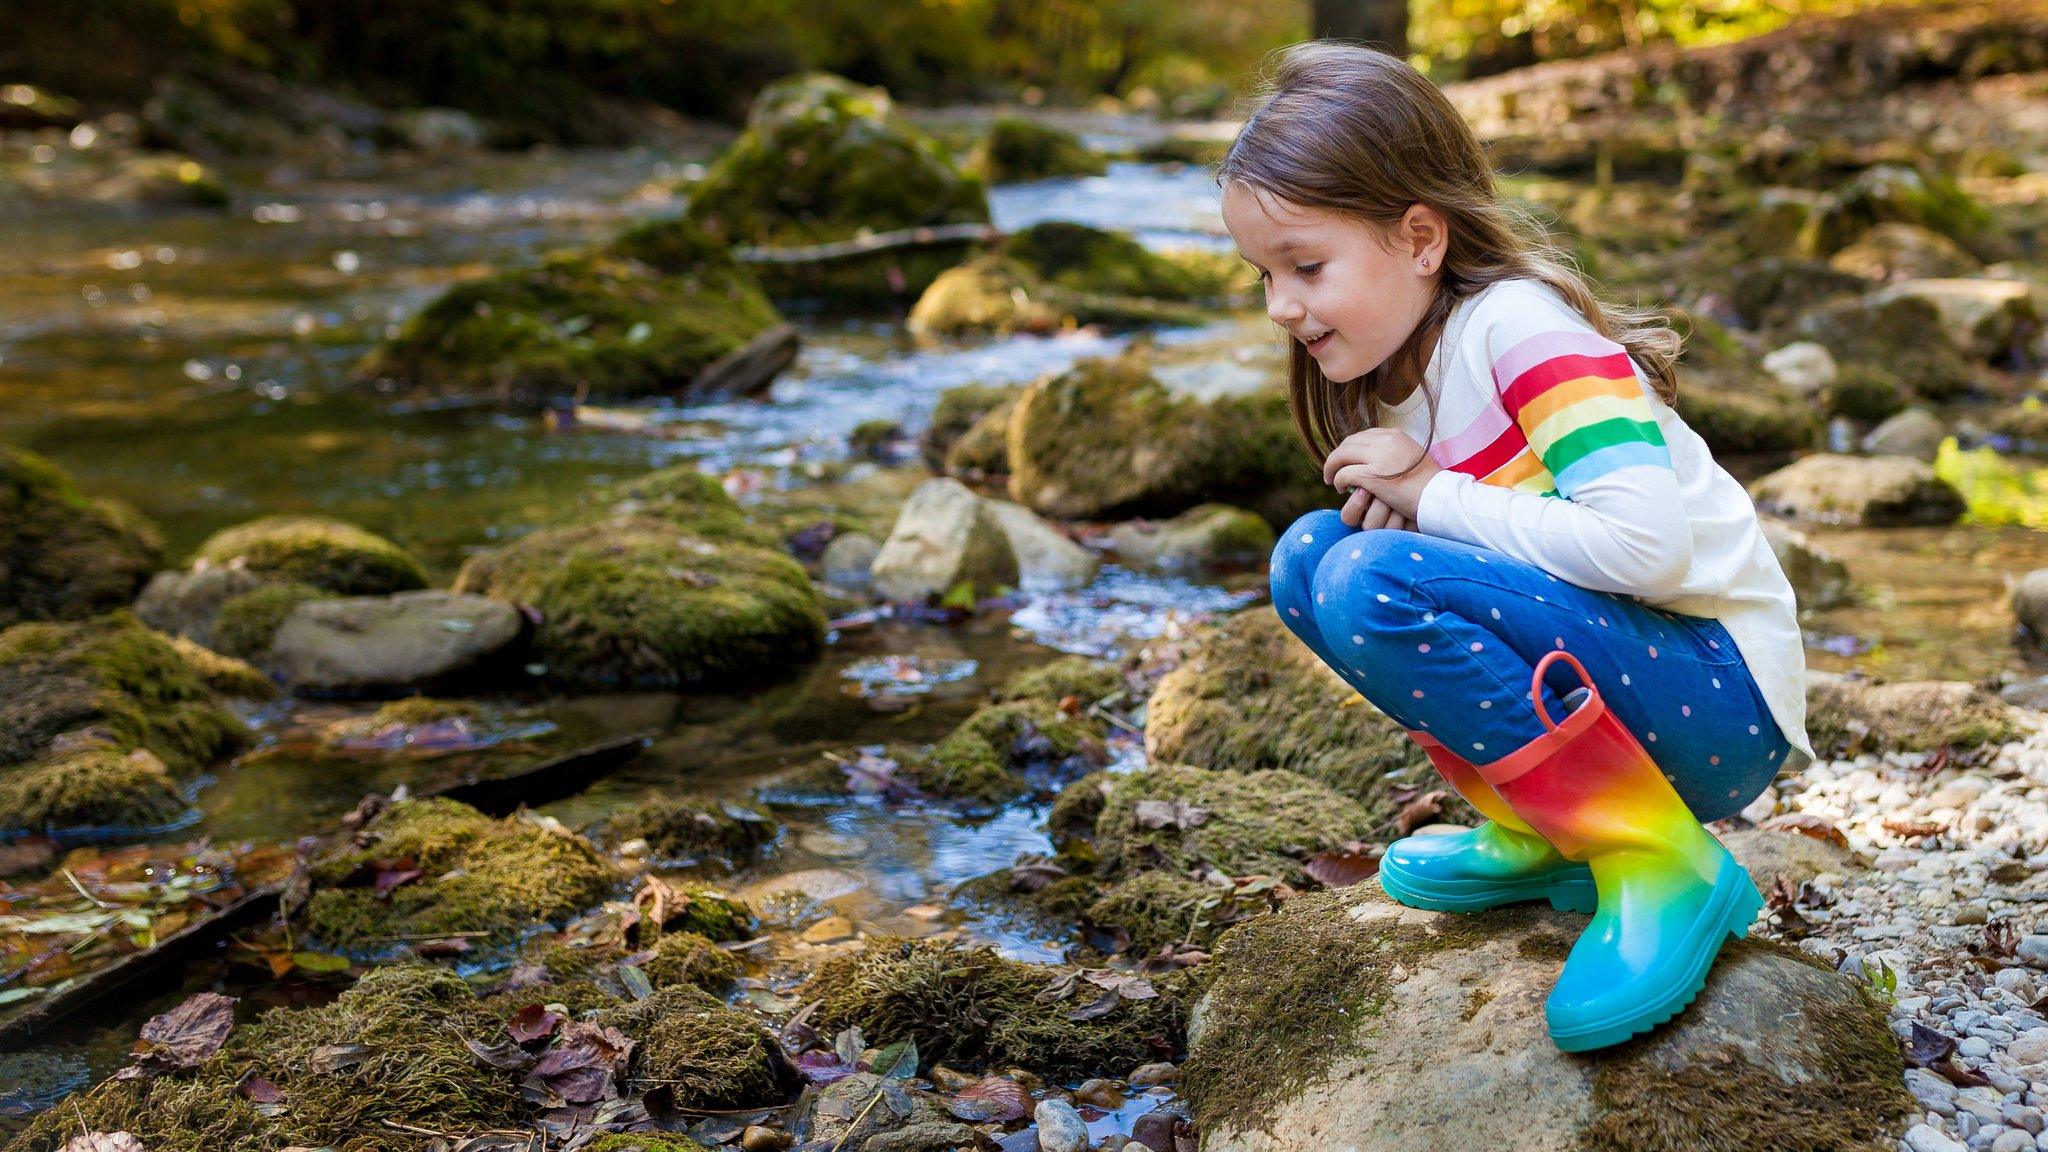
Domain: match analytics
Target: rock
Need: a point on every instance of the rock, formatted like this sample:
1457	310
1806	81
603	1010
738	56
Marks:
662	311
1206	536
159	180
1915	432
1872	492
1770	853
1058	274
1770	291
1846	717
409	642
1775	1047
983	451
830	930
1146	1075
2024	426
838	1115
2030	606
1176	818
63	555
848	558
1047	560
1819	580
1802	366
1060	1127
188	603
1928	1138
1901	335
1896	251
824	160
1008	750
1107	439
1893	193
436	130
1016	149
1984	318
325	554
2033	950
959	410
945	537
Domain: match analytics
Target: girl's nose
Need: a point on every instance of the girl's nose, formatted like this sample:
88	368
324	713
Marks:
1283	309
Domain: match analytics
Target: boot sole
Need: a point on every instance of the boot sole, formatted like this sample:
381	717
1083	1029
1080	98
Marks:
1567	889
1727	916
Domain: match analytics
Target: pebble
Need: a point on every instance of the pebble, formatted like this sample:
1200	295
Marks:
2012	1140
830	930
1146	1075
1060	1128
759	1139
2033	950
2030	1047
1100	1093
1925	1138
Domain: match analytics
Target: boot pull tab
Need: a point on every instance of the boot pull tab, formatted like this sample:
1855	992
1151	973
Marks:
1536	685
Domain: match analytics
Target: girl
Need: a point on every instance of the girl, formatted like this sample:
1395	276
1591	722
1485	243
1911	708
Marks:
1531	533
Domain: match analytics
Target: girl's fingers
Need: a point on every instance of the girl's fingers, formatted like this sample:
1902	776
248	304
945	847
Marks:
1376	516
1355	506
1355	476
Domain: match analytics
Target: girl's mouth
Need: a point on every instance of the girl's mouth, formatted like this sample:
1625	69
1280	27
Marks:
1320	342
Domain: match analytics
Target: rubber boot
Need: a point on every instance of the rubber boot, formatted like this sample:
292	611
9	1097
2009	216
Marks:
1503	861
1669	893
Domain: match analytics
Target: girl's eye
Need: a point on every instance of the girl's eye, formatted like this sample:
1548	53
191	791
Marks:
1308	269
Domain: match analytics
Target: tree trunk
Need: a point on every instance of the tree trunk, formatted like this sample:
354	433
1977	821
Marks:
1380	23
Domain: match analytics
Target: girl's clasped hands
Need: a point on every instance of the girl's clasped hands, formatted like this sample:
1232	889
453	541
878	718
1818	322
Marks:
1384	472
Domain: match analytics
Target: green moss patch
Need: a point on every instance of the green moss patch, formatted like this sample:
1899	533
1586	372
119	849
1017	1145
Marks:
1004	751
640	602
1846	718
248	623
95	786
186	1112
697	1054
327	554
957	411
688	958
1158	909
63	555
1016	150
224	674
701	909
1180	819
696	830
1077	258
1086	680
491	879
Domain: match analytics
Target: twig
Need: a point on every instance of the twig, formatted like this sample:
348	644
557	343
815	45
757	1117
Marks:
82	892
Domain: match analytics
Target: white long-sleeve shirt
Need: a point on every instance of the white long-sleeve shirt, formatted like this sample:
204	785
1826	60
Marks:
1555	451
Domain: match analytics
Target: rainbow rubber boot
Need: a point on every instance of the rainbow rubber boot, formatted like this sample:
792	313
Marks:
1669	893
1503	861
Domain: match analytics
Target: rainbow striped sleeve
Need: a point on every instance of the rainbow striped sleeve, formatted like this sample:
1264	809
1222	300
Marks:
1576	398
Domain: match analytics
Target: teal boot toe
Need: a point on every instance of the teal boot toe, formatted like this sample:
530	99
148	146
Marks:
1481	868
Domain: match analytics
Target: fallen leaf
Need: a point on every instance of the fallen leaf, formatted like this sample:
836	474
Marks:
898	1061
506	1054
1169	814
533	1022
1125	984
822	1067
319	963
991	1099
1035	875
185	1037
331	1058
446	946
258	1090
584	1063
1424	809
1806	825
1342	867
391	876
103	1142
1101	1006
1926	1047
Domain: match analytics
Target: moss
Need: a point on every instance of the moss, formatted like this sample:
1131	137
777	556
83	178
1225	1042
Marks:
1257	822
1995	489
117	677
1289	996
696	830
1250	697
1846	718
497	878
1002	751
703	910
1864	392
597	325
224	674
1855	1099
1544	945
197	1111
327	554
96	786
64	556
1890	193
644	1142
1016	149
1771	291
1086	680
1746	421
958	410
581	997
824	160
696	1054
1077	258
248	623
687	958
642	603
687	497
1205	536
983	451
998	295
1106	439
967	1007
413	1021
1077	807
1903	336
1161	908
871	438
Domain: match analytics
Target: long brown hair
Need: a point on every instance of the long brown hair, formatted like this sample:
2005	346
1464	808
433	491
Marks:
1357	132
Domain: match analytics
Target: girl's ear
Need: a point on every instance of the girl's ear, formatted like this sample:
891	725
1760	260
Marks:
1424	234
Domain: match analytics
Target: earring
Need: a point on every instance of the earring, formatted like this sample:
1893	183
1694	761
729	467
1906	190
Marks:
1425	261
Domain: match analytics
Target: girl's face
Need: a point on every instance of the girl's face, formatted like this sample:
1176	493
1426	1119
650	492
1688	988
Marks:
1347	291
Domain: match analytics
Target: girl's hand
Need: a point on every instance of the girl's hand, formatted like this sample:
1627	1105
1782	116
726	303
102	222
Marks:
1387	466
1362	511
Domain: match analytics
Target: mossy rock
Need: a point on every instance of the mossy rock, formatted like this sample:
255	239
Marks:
1345	1012
1772	291
644	1142
63	555
958	410
1004	751
703	910
1016	149
117	678
696	830
1250	696
580	998
1205	536
688	958
1866	491
640	602
1094	262
1086	680
1759	420
198	1111
695	1054
1107	440
1159	909
983	451
825	160
641	319
688	498
1251	823
225	674
1865	392
326	554
1846	718
966	1006
1903	336
1893	193
249	622
497	878
997	295
93	786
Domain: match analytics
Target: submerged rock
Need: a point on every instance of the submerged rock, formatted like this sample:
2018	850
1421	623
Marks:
1845	718
1346	1013
823	160
471	875
63	555
1870	492
412	641
1016	149
947	544
1250	697
1205	536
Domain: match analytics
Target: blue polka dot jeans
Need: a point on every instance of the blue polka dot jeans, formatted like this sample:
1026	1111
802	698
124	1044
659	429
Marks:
1443	637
